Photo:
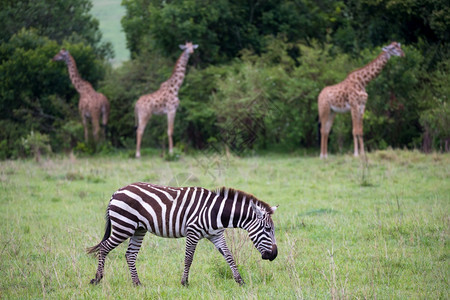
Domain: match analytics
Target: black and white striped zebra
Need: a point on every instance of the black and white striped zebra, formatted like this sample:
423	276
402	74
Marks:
191	212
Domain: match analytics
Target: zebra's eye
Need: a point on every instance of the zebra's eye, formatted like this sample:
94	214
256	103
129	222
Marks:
267	229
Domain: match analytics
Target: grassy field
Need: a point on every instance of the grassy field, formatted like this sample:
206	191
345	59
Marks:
109	13
345	228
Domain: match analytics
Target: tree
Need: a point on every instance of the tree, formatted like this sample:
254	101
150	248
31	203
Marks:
36	93
58	20
223	28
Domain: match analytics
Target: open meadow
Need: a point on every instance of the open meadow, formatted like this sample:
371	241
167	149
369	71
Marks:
345	228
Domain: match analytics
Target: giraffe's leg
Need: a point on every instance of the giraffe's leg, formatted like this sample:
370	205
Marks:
95	127
105	116
105	247
326	121
142	122
221	245
323	117
355	130
132	252
191	242
360	130
170	121
85	125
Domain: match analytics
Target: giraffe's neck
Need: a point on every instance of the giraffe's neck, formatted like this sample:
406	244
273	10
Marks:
371	70
80	85
177	77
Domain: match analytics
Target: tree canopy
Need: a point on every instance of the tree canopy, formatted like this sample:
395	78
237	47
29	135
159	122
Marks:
260	64
58	20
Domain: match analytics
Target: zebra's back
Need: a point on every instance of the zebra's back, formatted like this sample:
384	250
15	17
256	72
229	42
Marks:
164	211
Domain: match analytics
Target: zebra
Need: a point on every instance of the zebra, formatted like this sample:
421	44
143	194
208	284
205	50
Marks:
191	212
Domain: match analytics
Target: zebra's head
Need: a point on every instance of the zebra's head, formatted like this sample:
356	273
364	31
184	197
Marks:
262	231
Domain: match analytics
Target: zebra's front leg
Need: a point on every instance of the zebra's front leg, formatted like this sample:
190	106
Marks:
221	245
191	243
132	252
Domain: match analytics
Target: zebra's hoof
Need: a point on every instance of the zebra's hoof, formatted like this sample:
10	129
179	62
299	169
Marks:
93	281
137	283
185	283
240	281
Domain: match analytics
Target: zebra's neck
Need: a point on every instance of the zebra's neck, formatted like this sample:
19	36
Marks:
235	210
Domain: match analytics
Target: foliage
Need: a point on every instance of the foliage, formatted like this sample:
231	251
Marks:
36	93
260	63
124	86
393	106
35	144
58	20
370	23
222	28
435	119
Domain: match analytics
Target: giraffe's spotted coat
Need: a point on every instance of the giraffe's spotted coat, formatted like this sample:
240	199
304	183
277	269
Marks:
350	95
92	105
164	100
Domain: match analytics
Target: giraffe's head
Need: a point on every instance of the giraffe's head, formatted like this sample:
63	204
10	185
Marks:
62	55
189	47
394	49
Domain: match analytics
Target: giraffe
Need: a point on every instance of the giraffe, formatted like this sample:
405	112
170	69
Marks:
350	95
164	100
92	104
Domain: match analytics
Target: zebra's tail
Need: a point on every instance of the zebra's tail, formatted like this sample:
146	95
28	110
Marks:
96	248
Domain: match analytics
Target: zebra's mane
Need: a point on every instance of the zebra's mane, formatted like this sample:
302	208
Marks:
223	191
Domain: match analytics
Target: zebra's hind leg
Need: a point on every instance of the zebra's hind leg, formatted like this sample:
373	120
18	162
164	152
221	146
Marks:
104	248
221	245
132	252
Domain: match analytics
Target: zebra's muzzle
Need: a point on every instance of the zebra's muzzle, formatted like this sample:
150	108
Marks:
270	255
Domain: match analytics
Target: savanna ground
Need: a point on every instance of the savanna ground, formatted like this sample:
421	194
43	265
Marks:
345	228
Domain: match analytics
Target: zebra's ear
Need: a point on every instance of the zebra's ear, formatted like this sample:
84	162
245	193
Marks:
257	210
274	208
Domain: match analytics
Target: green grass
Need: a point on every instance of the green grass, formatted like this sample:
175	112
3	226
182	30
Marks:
110	13
345	229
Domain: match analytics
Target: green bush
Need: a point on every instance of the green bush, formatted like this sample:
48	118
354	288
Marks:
36	93
36	144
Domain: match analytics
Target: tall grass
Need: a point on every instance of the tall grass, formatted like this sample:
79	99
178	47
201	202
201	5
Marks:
338	237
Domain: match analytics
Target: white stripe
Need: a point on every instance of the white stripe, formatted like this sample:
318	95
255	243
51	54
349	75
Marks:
219	214
182	231
122	218
143	221
242	211
191	216
230	223
210	209
169	196
174	204
161	204
146	206
177	221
